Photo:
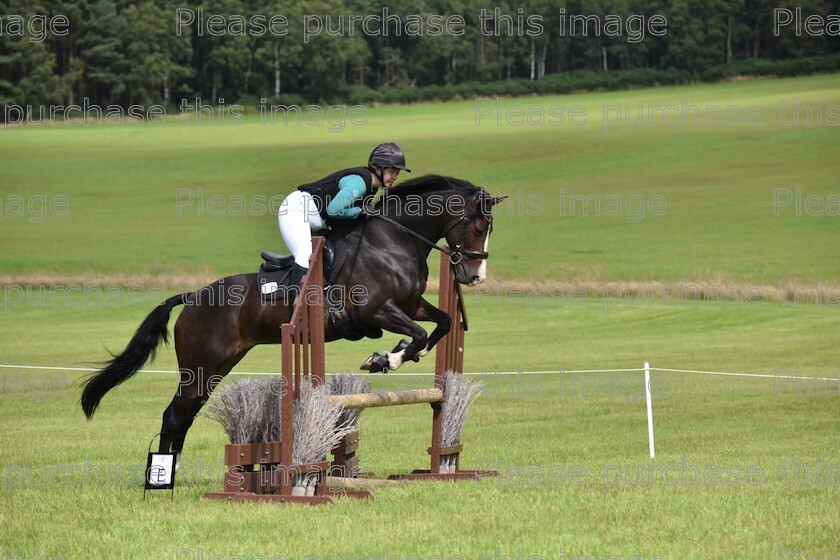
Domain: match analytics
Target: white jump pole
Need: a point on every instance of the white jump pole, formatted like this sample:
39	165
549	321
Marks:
649	409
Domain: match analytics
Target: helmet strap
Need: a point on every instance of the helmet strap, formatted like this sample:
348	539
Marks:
372	169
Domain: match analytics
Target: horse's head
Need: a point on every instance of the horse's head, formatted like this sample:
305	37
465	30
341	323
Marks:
436	206
468	235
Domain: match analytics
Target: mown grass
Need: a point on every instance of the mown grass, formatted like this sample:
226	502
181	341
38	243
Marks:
536	430
748	466
122	183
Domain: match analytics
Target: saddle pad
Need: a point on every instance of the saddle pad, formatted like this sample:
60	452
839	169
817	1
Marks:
273	281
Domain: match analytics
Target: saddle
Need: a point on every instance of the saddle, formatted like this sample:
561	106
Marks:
274	280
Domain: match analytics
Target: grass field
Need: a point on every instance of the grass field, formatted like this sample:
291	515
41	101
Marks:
122	184
746	467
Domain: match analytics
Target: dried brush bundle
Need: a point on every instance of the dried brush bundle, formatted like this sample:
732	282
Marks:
271	427
317	430
459	393
240	409
250	412
349	384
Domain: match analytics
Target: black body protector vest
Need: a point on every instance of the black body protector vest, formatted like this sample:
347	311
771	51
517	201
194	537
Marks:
326	189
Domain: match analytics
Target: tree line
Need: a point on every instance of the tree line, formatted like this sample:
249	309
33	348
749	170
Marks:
126	53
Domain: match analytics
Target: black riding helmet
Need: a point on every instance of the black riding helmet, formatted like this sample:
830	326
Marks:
388	155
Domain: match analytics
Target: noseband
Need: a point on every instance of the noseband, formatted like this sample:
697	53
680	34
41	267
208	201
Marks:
458	254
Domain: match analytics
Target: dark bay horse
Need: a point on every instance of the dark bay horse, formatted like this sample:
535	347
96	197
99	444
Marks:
386	255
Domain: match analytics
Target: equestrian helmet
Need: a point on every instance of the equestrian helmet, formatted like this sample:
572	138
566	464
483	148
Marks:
388	155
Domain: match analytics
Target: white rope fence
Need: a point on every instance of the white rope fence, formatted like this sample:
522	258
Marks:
428	374
646	369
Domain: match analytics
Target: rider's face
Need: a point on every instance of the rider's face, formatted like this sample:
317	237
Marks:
389	175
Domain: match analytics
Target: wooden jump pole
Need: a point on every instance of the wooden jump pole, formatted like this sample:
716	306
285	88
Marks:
391	398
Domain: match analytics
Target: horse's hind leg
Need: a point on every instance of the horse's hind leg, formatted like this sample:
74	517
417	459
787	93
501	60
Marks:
193	391
198	379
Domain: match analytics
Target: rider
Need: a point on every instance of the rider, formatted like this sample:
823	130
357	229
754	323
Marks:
339	196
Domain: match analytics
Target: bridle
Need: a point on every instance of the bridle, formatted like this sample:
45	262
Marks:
456	254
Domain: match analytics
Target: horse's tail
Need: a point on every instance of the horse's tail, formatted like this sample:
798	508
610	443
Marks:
143	346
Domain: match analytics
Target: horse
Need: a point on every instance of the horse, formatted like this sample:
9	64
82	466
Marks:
386	253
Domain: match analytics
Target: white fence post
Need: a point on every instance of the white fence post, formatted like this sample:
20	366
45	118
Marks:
649	409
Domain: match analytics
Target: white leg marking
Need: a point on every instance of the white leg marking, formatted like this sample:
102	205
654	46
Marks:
395	359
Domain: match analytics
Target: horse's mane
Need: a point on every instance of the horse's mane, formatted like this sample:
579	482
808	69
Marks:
427	184
433	183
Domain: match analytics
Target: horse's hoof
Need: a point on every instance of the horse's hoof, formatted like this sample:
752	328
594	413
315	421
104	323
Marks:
376	363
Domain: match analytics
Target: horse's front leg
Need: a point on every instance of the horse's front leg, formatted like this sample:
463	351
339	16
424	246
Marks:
391	318
424	312
428	312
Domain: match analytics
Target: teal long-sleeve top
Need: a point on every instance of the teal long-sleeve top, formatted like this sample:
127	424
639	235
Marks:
351	189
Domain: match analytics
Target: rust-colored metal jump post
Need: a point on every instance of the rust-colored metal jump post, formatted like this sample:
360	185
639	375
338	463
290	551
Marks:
449	357
302	341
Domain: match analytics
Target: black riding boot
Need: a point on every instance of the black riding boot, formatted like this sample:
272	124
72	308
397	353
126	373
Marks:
298	272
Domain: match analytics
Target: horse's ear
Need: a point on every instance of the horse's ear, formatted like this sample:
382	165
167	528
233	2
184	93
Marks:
489	202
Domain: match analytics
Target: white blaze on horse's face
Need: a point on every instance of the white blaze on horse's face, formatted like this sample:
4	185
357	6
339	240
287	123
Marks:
482	270
475	270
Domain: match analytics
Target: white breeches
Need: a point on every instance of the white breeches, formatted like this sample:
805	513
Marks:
298	218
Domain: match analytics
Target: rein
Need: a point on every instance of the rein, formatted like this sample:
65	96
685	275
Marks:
455	256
